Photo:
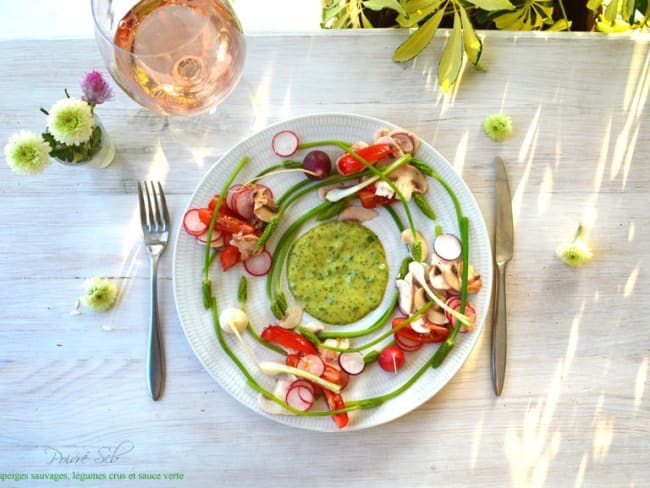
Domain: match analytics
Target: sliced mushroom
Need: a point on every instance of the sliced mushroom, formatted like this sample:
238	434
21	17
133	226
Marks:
436	277
405	290
357	214
407	179
409	240
437	317
419	325
452	276
264	207
384	131
246	243
396	150
292	318
406	140
314	327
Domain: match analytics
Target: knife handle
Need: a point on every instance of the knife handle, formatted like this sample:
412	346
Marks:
499	331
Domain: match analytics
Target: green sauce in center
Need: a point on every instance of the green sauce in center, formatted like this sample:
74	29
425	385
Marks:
338	271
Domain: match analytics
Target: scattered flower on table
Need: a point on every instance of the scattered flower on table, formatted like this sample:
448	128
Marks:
73	133
101	294
27	153
497	127
576	253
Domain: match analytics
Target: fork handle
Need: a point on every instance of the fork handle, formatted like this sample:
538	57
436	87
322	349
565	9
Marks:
155	362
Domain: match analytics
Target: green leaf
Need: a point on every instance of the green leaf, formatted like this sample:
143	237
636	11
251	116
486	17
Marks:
382	4
473	45
627	9
419	39
611	11
594	5
451	60
492	4
560	25
416	16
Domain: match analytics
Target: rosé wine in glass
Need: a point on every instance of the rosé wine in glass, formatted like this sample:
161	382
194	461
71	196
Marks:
176	57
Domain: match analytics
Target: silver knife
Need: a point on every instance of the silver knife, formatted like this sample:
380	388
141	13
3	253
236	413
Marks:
503	247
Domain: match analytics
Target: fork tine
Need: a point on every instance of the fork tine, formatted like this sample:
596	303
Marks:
165	211
143	208
155	207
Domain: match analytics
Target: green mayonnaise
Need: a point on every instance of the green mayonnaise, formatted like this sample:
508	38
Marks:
338	271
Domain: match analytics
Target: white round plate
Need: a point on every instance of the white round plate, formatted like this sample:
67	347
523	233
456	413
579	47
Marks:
197	322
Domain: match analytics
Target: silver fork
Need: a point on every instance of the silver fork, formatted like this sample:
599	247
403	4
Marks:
154	217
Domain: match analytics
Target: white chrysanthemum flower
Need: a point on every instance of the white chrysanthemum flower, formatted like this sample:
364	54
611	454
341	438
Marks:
27	153
71	121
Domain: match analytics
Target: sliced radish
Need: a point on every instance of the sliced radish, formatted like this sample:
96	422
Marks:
306	388
243	202
285	143
352	362
217	240
192	224
454	303
232	191
448	247
259	264
300	397
312	364
406	344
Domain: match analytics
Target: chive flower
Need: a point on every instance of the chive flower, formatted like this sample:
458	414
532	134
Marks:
497	127
71	121
101	294
576	253
95	89
27	153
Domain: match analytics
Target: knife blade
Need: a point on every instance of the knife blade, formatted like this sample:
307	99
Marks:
503	251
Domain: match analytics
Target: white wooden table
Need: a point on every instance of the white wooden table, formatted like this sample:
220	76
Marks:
575	410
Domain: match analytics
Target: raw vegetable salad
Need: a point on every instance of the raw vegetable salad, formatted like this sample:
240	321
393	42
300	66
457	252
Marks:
431	297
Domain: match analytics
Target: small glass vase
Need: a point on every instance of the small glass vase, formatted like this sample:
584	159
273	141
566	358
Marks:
104	156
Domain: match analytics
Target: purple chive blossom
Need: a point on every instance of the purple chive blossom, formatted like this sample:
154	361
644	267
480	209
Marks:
96	90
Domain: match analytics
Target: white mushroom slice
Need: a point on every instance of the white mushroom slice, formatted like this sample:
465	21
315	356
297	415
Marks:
407	179
322	191
406	140
418	325
436	278
384	131
437	317
405	289
315	327
280	391
419	298
246	243
357	214
292	318
452	276
330	356
408	239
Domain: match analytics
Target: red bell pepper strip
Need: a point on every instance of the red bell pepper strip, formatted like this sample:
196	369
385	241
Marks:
288	339
335	402
437	333
348	164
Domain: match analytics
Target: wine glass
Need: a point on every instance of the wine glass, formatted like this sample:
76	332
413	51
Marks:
174	57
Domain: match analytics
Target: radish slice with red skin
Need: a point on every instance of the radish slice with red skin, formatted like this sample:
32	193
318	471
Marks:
312	364
285	143
259	264
243	202
299	397
448	247
352	362
192	224
232	191
306	389
406	344
454	303
218	239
